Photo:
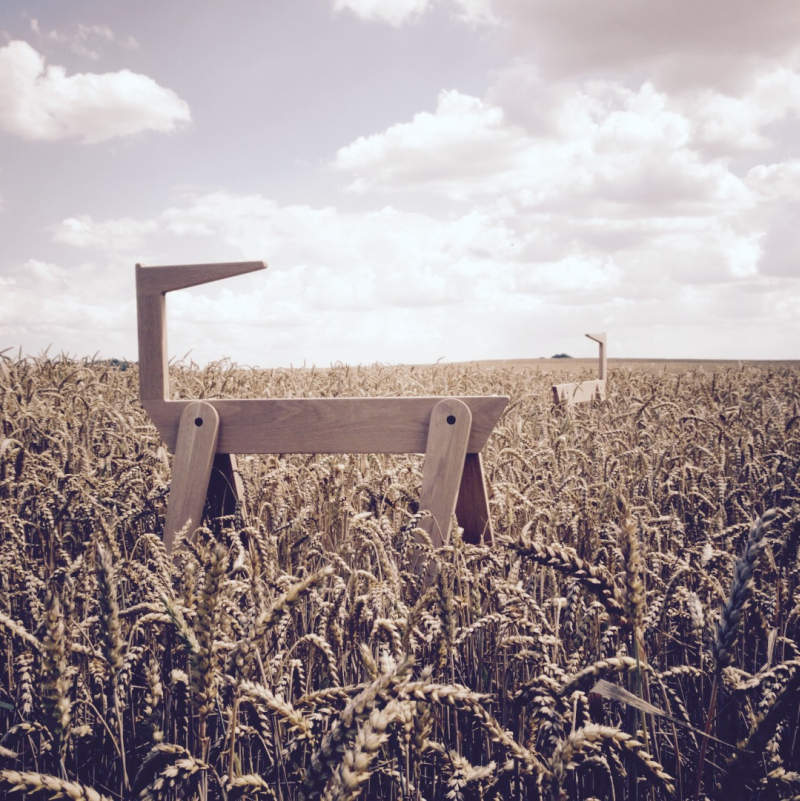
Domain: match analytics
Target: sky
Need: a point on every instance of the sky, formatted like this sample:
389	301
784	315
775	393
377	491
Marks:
426	179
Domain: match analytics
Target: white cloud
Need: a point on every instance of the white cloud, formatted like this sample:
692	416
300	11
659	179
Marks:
476	11
780	243
44	272
704	251
394	12
609	178
121	234
778	181
376	259
44	103
603	147
742	121
717	43
604	191
84	40
573	277
778	187
392	285
400	12
386	284
467	138
328	266
78	311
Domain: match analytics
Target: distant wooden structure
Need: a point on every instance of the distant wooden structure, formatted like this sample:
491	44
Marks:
205	434
585	391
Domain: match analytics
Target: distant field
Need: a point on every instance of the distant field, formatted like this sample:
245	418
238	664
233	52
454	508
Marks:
650	365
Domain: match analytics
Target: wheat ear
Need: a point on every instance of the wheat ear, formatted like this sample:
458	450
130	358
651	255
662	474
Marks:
725	631
587	736
28	783
328	755
354	770
567	561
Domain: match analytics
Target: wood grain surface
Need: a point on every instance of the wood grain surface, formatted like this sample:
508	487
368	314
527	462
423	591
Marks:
194	455
446	449
328	425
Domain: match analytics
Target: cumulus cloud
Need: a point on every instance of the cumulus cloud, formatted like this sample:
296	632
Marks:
44	272
42	102
84	40
469	138
604	146
351	260
718	43
385	284
776	181
124	233
621	201
780	242
778	187
329	259
732	123
395	285
400	12
394	12
79	311
574	278
631	169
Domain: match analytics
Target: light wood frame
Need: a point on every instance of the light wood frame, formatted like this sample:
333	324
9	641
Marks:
585	391
205	434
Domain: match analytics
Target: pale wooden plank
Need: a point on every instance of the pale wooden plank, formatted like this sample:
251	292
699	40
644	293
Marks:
472	506
191	469
579	392
153	373
151	284
329	425
445	452
602	359
167	278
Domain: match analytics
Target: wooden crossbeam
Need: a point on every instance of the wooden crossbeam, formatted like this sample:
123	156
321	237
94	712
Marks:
328	425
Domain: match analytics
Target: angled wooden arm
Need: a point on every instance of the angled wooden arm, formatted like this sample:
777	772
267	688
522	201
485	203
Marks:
600	339
152	284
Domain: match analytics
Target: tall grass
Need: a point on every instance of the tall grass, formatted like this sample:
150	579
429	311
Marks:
650	541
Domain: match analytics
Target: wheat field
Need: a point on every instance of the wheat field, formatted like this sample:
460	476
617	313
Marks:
633	632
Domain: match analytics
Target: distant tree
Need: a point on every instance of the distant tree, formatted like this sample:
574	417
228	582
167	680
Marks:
561	356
